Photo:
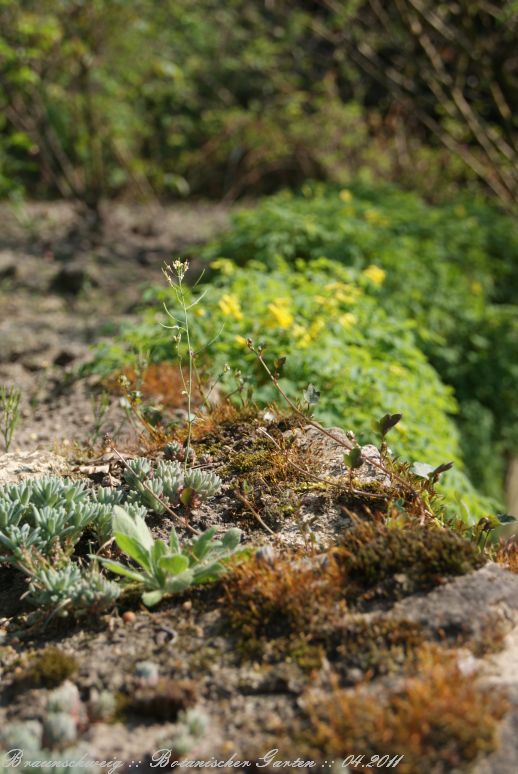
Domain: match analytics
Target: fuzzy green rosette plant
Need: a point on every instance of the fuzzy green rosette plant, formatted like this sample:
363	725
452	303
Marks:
168	568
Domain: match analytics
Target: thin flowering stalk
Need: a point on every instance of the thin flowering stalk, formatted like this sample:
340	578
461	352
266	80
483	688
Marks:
175	276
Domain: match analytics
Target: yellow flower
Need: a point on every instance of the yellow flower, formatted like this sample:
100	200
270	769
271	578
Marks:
345	195
343	293
281	316
199	311
224	265
347	320
375	218
375	274
241	340
229	305
476	288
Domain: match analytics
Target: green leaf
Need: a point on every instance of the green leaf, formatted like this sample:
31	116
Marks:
354	459
201	545
121	569
174	542
158	551
174	565
231	539
133	537
209	572
311	395
179	583
387	422
133	527
151	598
185	497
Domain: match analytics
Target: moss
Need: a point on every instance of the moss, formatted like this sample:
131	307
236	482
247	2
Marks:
249	462
163	701
438	719
307	655
378	645
264	601
297	610
395	561
48	669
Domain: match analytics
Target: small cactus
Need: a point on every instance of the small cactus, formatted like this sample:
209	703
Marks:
59	730
172	450
26	735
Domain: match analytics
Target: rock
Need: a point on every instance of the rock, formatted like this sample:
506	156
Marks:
466	606
329	455
19	466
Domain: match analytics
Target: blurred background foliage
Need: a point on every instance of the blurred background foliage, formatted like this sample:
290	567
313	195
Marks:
451	270
103	97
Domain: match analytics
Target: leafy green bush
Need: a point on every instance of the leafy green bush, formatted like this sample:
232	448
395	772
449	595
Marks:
450	271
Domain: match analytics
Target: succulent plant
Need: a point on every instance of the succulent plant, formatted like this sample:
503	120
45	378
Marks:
102	706
59	730
24	735
70	587
137	471
203	482
172	477
172	450
44	514
191	726
65	698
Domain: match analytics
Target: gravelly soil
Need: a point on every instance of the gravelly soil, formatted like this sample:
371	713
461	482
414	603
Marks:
62	287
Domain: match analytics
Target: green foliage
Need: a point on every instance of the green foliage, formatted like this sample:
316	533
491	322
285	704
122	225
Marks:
46	515
70	587
42	520
449	271
325	323
168	569
326	320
